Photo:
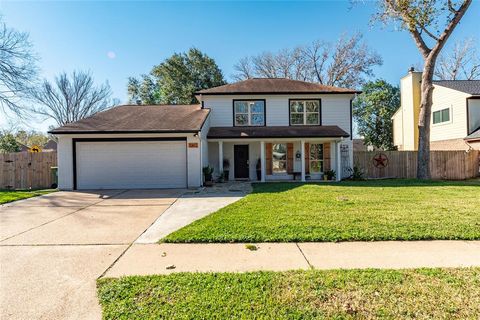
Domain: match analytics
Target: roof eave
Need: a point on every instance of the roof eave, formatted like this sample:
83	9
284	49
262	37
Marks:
122	131
275	92
278	137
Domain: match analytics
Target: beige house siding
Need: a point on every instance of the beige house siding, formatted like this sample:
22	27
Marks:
398	129
410	105
443	136
456	101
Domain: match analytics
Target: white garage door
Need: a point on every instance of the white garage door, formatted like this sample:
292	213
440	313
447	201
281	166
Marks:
131	164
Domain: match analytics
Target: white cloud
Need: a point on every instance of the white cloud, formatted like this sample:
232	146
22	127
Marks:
111	55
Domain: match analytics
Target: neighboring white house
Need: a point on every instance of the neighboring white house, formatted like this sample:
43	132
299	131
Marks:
285	128
455	118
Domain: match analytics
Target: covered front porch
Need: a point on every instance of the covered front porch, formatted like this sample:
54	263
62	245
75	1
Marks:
275	160
242	156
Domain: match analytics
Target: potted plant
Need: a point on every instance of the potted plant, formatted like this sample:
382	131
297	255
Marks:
259	169
329	175
221	177
226	169
208	176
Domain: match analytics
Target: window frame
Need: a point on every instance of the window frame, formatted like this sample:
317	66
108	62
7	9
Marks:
286	158
441	117
320	160
249	113
305	113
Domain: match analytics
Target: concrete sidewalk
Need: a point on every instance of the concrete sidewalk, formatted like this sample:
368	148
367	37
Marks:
144	259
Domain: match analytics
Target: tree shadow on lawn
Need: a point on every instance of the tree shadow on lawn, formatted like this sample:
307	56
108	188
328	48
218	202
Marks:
274	187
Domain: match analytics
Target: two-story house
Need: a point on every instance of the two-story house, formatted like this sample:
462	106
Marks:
284	128
455	118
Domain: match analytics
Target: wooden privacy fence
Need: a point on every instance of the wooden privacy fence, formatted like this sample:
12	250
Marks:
25	170
448	165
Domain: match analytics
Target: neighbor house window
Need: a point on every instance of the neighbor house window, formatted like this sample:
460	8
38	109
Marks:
249	113
441	116
279	157
304	112
316	158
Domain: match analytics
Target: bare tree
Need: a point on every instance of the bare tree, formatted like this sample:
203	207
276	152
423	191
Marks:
462	62
18	70
71	99
345	63
244	69
430	23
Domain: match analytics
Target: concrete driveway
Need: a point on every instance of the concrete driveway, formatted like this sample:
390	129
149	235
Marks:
54	247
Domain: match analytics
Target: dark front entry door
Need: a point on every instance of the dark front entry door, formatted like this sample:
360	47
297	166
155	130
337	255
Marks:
240	154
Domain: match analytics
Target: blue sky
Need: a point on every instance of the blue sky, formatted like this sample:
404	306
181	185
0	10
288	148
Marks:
115	40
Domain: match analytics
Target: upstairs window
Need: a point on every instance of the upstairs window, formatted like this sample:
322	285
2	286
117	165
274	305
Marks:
441	116
249	113
304	112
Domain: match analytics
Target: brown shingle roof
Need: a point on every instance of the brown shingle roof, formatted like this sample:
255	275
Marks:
138	119
273	86
276	132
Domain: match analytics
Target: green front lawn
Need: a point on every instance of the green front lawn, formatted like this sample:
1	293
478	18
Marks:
337	294
347	211
14	195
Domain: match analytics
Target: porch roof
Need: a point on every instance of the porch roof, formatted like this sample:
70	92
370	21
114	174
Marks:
276	132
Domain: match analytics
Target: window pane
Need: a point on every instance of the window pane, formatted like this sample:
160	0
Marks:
241	119
316	151
436	117
279	151
316	166
241	107
296	106
445	115
312	118
296	118
257	120
257	107
279	166
312	106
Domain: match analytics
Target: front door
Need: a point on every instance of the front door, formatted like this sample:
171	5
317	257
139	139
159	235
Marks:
240	154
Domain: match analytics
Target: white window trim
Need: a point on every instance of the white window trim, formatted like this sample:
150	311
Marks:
305	113
444	122
249	113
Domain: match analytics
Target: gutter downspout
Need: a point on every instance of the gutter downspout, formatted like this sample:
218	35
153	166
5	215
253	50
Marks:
201	157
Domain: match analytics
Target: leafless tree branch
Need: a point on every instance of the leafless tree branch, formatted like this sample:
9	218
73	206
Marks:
461	62
18	70
73	98
345	63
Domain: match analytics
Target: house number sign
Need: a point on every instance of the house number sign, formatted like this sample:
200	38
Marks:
193	145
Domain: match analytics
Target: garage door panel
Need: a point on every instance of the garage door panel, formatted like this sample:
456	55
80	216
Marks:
131	164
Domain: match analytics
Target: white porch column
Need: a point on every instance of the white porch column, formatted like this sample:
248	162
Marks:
338	160
220	157
302	152
262	160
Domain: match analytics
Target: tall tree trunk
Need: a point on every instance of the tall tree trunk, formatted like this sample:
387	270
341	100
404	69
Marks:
423	161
